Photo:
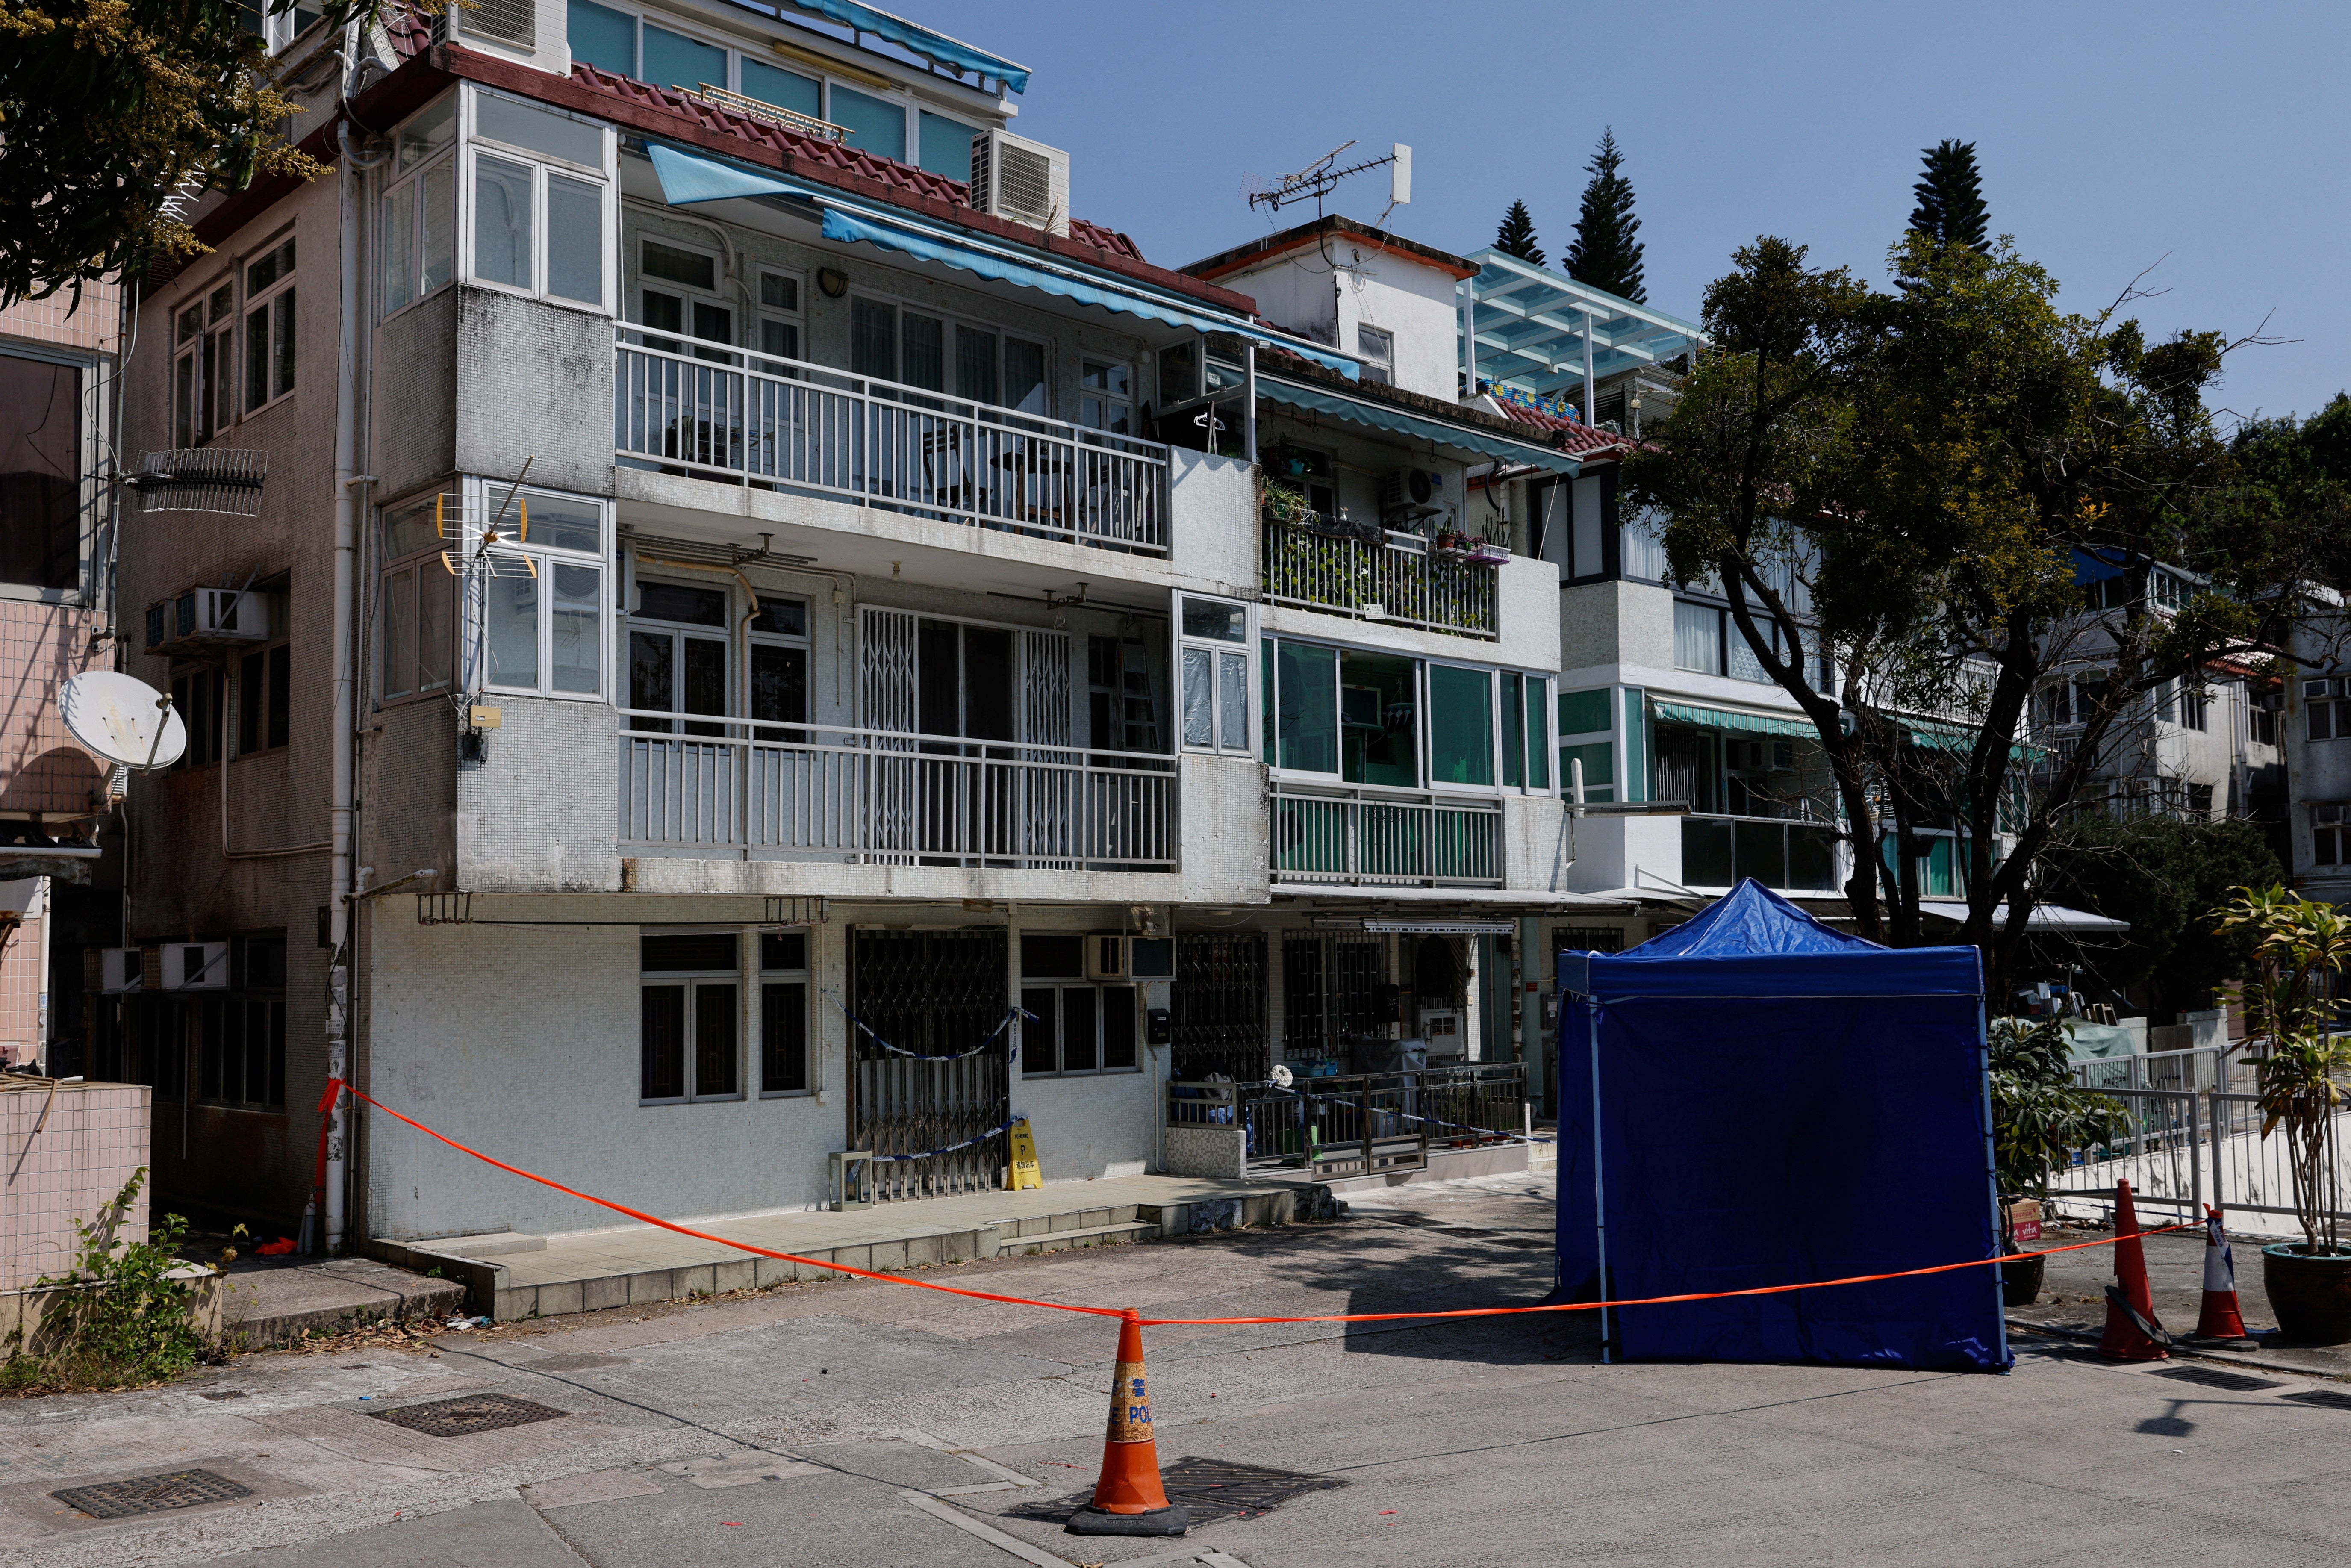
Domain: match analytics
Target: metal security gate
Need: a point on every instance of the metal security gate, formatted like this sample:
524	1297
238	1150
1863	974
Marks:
1332	993
937	993
1218	1006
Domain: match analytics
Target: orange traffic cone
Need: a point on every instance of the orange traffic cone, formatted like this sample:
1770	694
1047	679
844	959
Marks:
1128	1500
2133	1332
2220	1318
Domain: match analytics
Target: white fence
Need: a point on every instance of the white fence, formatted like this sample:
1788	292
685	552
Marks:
876	797
1370	837
1405	579
2185	1148
794	426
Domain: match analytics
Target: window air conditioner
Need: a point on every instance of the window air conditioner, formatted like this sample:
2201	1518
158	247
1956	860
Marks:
2314	690
1152	958
203	616
1024	181
1412	492
118	971
196	965
1109	957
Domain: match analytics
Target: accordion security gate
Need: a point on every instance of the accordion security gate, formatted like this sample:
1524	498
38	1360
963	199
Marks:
938	993
1218	1023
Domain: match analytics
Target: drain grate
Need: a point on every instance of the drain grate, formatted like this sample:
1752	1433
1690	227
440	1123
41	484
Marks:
152	1494
222	1394
2331	1398
468	1414
1218	1489
2213	1377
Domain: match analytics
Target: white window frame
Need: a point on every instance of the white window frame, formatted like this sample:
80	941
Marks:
804	641
804	977
693	980
1384	362
796	317
1061	986
224	333
1134	382
1493	674
541	164
950	321
736	663
640	281
1246	650
412	566
279	325
482	494
418	178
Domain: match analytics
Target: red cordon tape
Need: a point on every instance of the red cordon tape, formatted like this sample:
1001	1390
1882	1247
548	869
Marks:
334	1086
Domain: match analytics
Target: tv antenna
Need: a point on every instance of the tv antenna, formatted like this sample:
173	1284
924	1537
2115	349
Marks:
1319	179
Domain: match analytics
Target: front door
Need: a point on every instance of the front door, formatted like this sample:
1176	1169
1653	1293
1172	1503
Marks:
938	994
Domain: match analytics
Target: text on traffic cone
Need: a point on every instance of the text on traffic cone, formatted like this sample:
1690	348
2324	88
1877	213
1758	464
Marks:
1130	1473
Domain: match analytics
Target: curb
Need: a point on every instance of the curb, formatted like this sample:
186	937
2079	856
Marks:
2224	1357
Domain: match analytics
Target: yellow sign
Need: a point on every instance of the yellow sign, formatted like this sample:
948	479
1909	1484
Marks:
1024	1157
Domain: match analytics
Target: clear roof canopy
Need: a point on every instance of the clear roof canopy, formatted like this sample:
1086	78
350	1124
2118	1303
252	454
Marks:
1531	325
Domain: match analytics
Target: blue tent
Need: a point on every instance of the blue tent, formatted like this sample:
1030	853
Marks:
1777	1102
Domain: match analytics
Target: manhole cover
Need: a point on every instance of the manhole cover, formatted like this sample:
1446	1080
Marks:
2332	1398
152	1494
1218	1489
221	1393
467	1414
2213	1377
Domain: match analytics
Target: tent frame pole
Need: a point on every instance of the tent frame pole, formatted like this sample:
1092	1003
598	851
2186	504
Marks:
1991	1171
1600	1190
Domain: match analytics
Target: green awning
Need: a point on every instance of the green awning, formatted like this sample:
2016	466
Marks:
1730	718
1379	416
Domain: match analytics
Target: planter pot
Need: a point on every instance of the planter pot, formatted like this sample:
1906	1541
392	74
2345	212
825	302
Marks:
2020	1281
2310	1293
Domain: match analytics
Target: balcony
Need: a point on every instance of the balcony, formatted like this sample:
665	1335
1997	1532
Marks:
863	797
1786	856
1377	838
1402	580
787	424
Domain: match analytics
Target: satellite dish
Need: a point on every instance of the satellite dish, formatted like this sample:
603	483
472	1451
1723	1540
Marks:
123	720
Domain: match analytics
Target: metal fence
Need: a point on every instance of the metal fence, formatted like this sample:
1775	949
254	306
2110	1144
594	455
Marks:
880	797
1363	1124
1367	836
2195	1068
1405	579
2183	1148
800	426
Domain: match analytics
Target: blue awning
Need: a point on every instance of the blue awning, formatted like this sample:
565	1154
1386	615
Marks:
932	45
685	178
1380	416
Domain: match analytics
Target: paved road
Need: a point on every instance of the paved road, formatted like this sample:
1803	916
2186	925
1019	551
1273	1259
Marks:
818	1424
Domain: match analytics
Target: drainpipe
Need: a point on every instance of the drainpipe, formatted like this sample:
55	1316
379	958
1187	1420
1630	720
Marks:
1248	406
338	904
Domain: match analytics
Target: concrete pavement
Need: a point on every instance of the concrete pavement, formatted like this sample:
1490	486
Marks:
1489	1441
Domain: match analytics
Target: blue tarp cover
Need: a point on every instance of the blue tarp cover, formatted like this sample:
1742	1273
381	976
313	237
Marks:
1779	1103
1381	417
918	38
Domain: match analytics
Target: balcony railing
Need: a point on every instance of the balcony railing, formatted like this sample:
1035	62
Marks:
1381	837
880	798
798	426
1403	580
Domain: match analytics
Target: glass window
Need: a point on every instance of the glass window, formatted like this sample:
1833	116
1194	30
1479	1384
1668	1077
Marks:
437	222
1232	701
687	1048
1024	378
502	250
1599	760
430	134
1105	398
1514	739
925	351
675	264
510	631
1379	719
875	125
672	60
1378	350
576	627
575	239
1307	718
1216	684
1461	725
543	626
41	434
1078	1028
946	146
873	339
1697	638
1213	618
604	37
399	246
541	131
975	363
785	89
1538	733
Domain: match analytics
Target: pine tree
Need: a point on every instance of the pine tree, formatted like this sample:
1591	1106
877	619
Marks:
1606	254
1516	236
1950	208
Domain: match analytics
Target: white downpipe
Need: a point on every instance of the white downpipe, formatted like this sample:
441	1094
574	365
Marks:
338	906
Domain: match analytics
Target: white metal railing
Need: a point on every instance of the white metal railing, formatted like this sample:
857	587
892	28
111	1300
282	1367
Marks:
877	797
2188	1069
1403	580
801	426
1373	837
2183	1148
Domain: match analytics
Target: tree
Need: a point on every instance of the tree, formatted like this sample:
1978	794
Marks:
1606	254
1950	209
114	116
1516	236
2164	876
1895	484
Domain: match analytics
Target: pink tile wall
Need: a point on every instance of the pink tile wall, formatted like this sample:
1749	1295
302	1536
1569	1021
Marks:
93	327
20	997
95	1135
41	646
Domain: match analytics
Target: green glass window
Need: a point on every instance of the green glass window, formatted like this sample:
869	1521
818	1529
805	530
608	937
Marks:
1514	730
785	89
1265	703
1538	733
1598	757
604	37
874	124
1307	711
1585	712
672	59
946	146
1460	726
1379	719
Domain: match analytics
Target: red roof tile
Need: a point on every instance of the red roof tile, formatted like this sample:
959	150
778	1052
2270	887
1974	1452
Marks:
1569	435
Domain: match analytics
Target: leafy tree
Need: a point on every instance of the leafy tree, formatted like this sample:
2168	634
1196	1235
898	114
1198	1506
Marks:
1606	254
1516	236
1950	209
2164	876
1895	483
115	115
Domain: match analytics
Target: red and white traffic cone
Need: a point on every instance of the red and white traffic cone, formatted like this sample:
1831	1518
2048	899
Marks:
2132	1331
2220	1318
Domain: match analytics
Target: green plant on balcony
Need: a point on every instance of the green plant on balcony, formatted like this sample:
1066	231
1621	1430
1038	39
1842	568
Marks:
1284	504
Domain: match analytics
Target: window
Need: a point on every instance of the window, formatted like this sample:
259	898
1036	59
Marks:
672	60
779	667
780	317
1378	349
2195	704
1460	726
1216	675
1306	716
875	125
687	1047
1587	736
1644	549
1105	397
1526	731
678	656
264	699
542	630
538	228
416	603
240	1043
1074	1027
199	696
604	37
269	327
945	144
785	89
203	374
692	307
1122	710
41	466
1379	719
969	358
1697	638
420	208
783	1013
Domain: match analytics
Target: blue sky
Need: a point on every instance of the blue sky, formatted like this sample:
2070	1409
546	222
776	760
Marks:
2111	137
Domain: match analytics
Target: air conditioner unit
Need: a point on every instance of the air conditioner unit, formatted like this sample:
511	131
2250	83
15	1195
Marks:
1150	958
202	617
1024	181
118	970
196	965
2315	690
1109	957
1412	492
2328	816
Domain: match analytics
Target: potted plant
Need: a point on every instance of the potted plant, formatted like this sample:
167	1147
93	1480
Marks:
2039	1117
2298	944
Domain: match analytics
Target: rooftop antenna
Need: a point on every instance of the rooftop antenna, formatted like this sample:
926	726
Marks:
1319	179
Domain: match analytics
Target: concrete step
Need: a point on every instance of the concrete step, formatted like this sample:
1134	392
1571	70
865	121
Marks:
265	1306
1091	1236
